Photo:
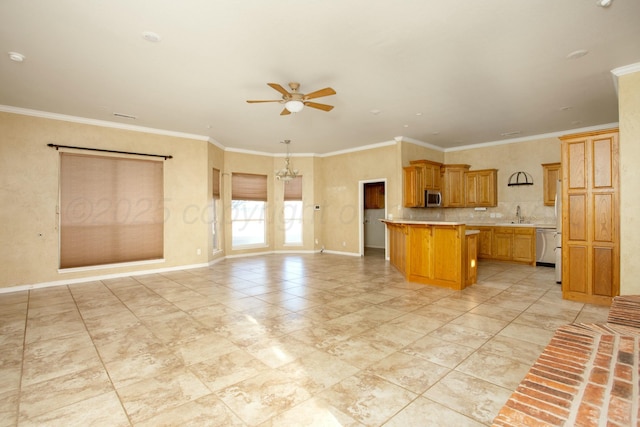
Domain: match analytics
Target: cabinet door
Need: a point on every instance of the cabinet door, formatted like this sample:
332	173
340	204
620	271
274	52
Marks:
590	217
485	242
524	245
502	243
447	256
453	186
471	189
487	194
413	192
420	252
551	173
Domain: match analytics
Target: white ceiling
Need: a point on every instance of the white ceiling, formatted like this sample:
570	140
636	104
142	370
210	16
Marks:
473	69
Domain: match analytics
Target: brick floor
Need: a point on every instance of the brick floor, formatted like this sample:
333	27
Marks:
586	376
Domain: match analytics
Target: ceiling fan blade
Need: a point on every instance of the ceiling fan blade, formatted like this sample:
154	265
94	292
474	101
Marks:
271	100
322	92
279	88
323	107
285	112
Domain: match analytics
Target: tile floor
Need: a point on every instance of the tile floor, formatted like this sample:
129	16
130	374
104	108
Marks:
276	340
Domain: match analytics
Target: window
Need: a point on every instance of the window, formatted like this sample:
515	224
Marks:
293	211
248	206
215	208
111	210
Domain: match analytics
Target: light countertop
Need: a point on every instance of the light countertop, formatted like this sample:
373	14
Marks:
469	224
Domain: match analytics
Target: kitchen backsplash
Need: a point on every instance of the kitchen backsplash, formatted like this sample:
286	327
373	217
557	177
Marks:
533	212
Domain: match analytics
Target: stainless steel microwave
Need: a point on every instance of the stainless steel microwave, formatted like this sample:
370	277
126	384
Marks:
432	199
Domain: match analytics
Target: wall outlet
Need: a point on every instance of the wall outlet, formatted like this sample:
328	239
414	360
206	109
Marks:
316	208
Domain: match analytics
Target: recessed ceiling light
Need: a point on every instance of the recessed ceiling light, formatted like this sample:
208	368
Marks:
577	54
435	133
375	112
567	108
418	114
150	36
603	3
406	126
15	56
125	116
515	132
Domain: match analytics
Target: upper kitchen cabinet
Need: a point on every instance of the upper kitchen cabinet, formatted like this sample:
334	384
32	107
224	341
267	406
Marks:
590	217
551	173
430	173
374	195
413	187
481	188
453	185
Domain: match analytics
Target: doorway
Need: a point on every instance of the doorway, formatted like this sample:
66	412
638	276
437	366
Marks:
373	208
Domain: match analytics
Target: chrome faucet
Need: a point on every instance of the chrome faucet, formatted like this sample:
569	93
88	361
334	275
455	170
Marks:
519	215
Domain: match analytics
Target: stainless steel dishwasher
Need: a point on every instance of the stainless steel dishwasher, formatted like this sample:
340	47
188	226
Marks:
545	247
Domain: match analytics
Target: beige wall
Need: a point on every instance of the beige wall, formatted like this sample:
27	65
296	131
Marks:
236	162
629	107
29	196
525	156
340	204
216	160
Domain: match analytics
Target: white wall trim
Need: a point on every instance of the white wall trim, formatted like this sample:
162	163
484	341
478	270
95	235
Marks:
533	137
356	149
98	277
326	251
102	123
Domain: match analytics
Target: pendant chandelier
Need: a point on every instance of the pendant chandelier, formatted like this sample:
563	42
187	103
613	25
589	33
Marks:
286	174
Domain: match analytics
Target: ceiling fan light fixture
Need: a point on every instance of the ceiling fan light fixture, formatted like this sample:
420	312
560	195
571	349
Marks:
294	106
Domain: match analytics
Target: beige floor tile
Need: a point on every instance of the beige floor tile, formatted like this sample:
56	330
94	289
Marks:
263	396
424	412
499	370
48	359
438	351
470	396
314	412
411	372
227	369
170	390
367	398
318	370
534	334
462	335
207	411
102	410
278	351
482	323
40	398
9	402
137	367
523	351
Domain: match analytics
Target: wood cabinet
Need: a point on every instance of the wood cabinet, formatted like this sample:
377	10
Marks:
551	173
481	188
515	244
502	243
590	217
431	253
374	195
413	192
485	241
453	185
471	259
523	248
430	173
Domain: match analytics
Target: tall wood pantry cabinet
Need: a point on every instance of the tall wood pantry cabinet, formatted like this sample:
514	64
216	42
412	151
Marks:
590	217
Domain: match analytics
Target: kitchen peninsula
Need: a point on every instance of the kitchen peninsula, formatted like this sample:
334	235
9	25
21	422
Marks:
437	253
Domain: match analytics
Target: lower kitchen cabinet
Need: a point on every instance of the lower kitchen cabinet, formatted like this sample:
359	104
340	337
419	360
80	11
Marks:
515	244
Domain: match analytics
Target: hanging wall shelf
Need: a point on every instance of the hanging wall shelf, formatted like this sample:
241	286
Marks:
520	178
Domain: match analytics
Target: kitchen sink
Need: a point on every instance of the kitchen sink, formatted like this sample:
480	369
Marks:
516	224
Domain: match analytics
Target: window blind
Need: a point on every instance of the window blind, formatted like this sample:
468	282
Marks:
216	183
246	186
293	189
111	210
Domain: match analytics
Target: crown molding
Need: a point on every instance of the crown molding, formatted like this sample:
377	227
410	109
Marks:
101	123
532	137
356	149
622	71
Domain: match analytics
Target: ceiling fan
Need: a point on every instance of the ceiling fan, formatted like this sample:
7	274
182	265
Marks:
295	101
